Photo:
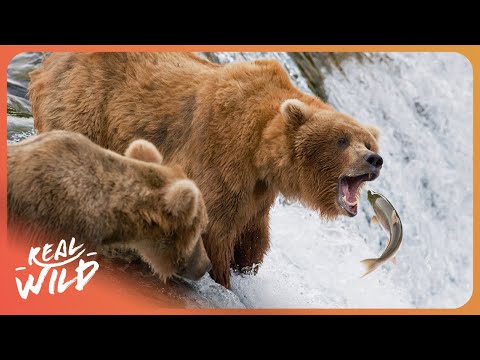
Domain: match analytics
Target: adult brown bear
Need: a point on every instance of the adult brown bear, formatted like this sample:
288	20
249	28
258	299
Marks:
242	131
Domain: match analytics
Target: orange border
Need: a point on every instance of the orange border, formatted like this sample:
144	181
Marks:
104	306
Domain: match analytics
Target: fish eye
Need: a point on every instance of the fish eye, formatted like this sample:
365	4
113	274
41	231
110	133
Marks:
342	142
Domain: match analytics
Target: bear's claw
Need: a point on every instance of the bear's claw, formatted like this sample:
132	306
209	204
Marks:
247	270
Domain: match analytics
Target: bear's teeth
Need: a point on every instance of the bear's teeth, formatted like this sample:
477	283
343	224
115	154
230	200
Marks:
347	202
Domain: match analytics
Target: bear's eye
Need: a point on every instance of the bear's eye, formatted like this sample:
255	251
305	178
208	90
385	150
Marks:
342	142
368	146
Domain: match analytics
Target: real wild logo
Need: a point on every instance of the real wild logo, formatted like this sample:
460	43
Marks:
54	263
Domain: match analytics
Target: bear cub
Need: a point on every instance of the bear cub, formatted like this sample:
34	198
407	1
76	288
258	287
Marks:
64	183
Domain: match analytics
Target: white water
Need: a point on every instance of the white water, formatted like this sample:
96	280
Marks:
422	102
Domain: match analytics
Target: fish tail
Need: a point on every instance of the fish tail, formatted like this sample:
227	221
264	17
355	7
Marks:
369	265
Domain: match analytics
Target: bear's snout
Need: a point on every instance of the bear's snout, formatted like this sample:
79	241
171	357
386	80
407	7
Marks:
375	161
198	263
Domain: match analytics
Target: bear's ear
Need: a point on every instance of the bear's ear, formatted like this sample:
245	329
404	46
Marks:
182	199
145	151
295	112
375	131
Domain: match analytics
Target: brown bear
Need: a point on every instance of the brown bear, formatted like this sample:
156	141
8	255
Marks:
242	131
62	182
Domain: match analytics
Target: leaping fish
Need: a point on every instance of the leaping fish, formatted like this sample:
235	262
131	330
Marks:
387	216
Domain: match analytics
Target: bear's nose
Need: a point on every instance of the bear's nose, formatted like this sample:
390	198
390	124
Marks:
375	160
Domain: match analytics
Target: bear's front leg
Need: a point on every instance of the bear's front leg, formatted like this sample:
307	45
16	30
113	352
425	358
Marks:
252	244
219	242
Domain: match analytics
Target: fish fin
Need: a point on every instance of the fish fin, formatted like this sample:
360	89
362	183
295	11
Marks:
394	260
374	219
394	217
369	265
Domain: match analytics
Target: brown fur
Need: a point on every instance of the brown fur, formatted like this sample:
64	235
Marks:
62	182
242	131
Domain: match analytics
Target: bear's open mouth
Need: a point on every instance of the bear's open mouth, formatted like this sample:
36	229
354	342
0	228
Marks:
348	191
